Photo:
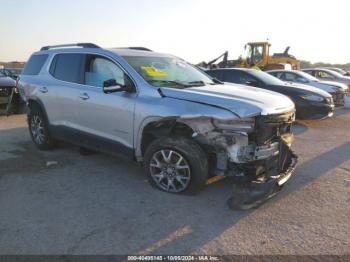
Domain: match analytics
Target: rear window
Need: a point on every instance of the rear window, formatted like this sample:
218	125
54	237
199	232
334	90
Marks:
68	67
34	64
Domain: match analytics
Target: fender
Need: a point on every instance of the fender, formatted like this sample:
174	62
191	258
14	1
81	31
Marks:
37	101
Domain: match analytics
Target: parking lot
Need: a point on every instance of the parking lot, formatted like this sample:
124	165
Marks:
61	202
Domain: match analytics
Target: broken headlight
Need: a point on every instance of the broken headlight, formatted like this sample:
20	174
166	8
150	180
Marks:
242	125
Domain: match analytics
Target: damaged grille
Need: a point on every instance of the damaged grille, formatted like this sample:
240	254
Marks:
5	91
272	128
338	98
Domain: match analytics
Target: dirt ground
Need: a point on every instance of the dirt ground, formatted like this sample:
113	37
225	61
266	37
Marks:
60	202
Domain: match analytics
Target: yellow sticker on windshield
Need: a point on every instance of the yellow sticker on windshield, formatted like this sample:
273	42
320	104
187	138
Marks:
152	71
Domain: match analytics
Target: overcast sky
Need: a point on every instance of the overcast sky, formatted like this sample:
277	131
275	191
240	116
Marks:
194	30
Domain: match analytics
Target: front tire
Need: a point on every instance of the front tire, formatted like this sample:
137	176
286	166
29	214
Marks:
176	165
38	129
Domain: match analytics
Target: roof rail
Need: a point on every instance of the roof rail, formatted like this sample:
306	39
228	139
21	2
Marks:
137	48
83	45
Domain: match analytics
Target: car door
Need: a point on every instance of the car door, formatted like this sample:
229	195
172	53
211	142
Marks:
106	120
63	87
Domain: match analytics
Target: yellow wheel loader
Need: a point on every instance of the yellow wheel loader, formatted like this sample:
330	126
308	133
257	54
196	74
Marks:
258	56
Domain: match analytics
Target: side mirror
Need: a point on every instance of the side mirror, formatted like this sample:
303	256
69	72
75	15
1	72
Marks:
111	86
252	83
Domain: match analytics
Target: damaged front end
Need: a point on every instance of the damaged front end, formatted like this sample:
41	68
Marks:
255	152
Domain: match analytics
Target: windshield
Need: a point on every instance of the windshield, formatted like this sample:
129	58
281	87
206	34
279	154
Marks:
307	76
333	73
2	74
255	53
338	70
266	78
168	71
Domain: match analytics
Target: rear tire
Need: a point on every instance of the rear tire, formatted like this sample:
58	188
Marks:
176	165
38	129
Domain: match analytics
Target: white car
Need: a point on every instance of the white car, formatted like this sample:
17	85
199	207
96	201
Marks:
338	70
337	90
327	75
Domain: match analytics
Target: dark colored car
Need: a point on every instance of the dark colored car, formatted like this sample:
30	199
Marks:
337	90
310	102
6	86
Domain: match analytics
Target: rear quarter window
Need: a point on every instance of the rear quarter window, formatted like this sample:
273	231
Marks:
34	64
68	67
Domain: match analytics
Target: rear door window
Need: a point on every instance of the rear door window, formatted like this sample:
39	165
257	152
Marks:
68	67
34	64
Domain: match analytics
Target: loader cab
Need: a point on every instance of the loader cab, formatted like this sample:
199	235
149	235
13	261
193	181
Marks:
257	53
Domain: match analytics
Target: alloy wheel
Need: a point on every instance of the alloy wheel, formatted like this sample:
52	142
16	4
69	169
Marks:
37	129
170	170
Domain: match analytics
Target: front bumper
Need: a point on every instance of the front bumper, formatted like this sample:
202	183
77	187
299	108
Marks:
3	102
5	93
339	98
267	183
314	110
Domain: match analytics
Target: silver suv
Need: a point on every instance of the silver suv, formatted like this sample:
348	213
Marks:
158	109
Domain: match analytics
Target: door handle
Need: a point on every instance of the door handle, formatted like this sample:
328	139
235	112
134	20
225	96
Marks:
43	89
84	96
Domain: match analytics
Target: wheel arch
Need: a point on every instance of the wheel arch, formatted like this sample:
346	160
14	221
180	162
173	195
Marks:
156	128
35	102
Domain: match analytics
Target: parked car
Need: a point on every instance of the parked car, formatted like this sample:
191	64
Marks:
310	102
158	109
11	72
347	70
337	90
6	86
338	70
328	75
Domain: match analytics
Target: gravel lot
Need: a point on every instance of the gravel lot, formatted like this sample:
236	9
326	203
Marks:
98	204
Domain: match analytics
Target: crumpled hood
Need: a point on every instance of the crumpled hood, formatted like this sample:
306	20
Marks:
7	82
244	101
